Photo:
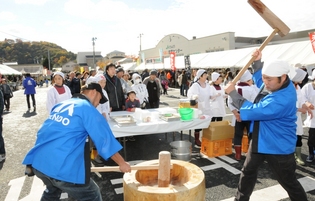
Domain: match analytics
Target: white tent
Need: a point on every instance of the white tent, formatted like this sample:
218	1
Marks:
155	66
295	52
129	66
6	70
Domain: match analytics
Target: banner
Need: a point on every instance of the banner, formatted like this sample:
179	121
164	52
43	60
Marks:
143	57
161	55
172	60
138	61
312	38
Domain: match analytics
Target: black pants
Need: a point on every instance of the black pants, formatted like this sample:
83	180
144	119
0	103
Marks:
216	119
283	167
239	131
28	100
6	99
311	141
2	148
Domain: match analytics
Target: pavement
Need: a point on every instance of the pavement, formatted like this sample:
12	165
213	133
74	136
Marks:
221	173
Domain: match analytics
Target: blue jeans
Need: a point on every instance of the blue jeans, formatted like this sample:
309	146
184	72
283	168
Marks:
80	192
183	89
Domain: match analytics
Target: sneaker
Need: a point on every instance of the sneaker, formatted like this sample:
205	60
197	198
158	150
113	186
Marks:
34	109
131	139
310	158
2	157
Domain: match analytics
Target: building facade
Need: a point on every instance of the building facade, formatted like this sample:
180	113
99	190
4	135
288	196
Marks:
214	43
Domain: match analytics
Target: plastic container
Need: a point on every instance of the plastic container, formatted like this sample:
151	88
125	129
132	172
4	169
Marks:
245	144
186	114
216	148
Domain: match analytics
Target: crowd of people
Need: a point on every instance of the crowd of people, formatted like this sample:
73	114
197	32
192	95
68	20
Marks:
267	101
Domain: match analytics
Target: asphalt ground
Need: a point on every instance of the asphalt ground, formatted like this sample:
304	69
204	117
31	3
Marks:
221	173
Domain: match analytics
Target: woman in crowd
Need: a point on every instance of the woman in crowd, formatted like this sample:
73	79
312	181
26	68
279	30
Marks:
164	82
201	91
217	102
140	90
58	92
297	79
249	91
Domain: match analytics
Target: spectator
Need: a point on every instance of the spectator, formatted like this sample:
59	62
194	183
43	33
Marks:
76	84
185	83
132	103
154	87
126	77
140	90
164	82
68	141
119	73
145	74
7	94
29	85
114	89
2	147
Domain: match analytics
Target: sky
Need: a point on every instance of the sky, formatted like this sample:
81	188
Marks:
118	24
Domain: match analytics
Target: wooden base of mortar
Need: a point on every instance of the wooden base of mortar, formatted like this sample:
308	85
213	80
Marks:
187	183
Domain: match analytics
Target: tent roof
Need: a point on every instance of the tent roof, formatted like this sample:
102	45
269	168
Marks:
6	70
129	66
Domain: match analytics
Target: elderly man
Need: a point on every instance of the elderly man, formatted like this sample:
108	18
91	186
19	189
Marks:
61	155
273	128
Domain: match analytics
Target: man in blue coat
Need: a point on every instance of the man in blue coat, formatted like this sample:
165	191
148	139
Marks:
29	85
61	154
273	128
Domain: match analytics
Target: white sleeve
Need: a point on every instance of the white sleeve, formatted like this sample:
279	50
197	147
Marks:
193	90
51	99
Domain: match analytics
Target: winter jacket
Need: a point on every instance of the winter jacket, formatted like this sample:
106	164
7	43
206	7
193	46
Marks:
115	93
29	85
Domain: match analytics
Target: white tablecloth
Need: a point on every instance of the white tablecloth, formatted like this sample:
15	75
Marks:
155	127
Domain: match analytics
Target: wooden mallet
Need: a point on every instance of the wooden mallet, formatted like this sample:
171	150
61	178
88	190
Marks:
278	27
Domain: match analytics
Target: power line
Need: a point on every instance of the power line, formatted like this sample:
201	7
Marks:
15	36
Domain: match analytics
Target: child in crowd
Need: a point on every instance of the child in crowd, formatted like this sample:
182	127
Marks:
132	103
58	92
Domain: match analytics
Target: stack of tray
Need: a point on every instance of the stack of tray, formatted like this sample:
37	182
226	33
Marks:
170	117
124	120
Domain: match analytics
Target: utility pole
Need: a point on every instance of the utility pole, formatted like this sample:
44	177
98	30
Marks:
48	60
140	40
93	43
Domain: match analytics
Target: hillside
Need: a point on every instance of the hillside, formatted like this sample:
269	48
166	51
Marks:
34	52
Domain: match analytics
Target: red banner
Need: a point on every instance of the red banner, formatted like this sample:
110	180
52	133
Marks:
172	60
312	38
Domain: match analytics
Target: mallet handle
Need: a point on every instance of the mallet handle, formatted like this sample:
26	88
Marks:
262	46
116	168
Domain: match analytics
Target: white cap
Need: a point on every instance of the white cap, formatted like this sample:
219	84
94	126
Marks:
198	74
59	73
214	76
246	76
278	68
299	76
